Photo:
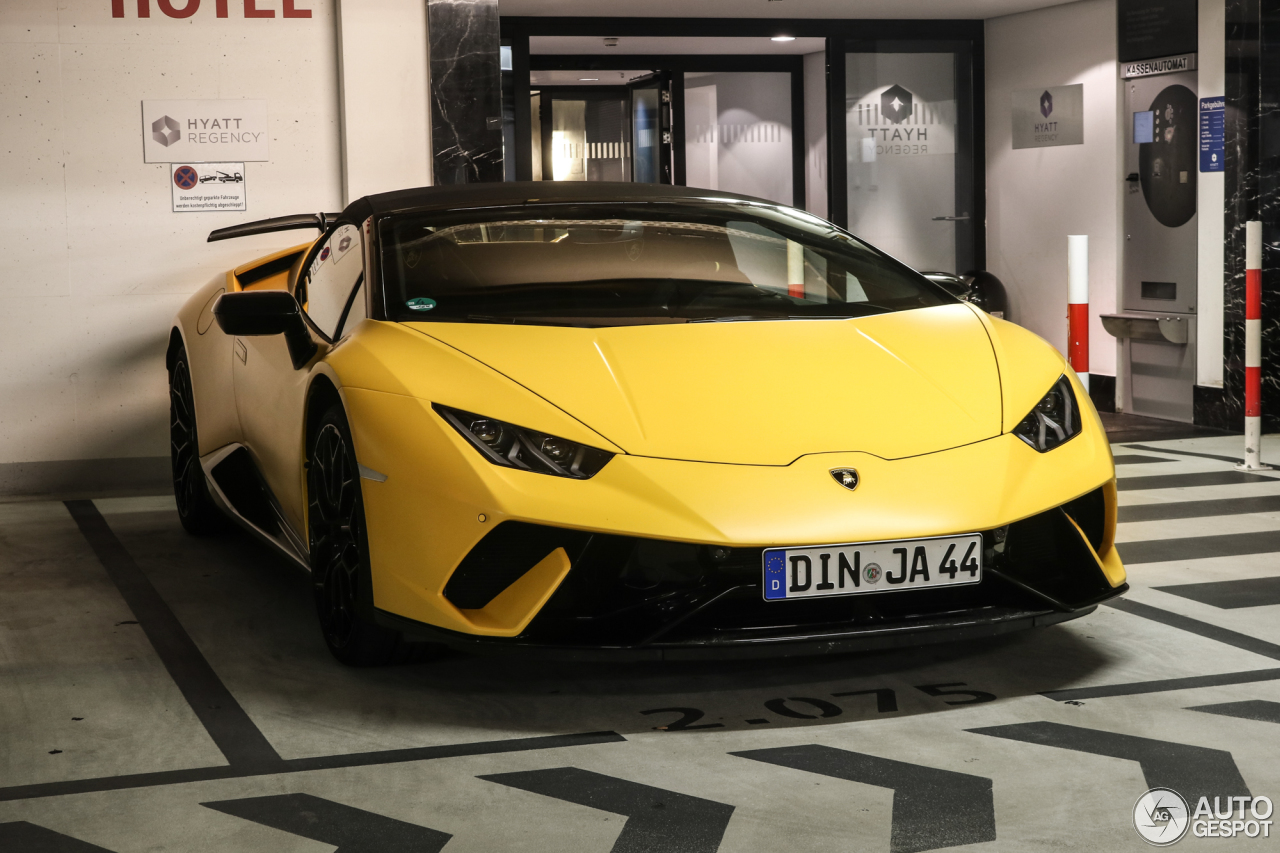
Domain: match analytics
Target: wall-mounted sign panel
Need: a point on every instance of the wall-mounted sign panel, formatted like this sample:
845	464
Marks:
1213	123
207	187
1163	65
1043	118
1147	28
204	131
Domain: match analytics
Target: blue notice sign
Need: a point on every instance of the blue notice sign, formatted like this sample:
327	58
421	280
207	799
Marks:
1213	121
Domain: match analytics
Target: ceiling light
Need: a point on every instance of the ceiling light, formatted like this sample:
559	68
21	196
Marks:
588	79
783	38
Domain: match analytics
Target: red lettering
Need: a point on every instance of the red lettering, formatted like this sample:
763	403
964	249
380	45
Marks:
290	12
252	11
221	6
144	8
117	8
186	11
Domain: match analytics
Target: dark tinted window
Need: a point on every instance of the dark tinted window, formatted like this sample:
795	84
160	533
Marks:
639	263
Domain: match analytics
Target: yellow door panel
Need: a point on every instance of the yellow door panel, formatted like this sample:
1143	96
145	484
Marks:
270	397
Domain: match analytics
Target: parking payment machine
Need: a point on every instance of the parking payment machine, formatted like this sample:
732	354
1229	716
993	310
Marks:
1156	324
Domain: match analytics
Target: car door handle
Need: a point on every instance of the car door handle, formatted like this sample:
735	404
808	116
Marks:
962	218
242	352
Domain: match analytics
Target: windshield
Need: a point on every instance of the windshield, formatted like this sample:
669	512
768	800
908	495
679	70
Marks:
638	263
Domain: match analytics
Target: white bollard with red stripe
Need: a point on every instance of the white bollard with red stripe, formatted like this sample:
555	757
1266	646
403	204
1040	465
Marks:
1078	305
1253	348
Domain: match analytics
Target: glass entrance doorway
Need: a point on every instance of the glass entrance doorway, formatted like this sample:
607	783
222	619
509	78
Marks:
738	134
703	122
603	132
870	124
904	157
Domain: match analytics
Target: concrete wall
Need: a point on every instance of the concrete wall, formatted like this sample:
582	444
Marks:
96	263
386	127
1037	196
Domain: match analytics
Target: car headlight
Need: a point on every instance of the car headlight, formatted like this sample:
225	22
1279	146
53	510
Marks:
1054	420
526	449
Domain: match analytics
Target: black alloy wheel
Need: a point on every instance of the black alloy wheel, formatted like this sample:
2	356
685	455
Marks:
339	549
196	509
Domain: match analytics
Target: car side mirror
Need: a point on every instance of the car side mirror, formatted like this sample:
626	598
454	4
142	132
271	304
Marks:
249	313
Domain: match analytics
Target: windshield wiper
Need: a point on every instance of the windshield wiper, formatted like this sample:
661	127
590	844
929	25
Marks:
739	318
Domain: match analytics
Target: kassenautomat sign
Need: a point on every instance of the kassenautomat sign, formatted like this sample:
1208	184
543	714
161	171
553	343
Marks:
1163	65
893	121
204	131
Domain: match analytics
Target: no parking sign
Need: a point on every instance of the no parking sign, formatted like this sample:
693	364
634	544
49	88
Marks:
185	177
208	187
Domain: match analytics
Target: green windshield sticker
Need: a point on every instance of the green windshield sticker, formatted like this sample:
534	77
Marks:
421	303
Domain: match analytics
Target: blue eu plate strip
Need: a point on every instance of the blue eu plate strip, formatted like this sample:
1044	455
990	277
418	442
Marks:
775	574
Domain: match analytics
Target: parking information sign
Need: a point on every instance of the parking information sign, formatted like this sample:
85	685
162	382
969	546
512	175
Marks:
1213	115
207	187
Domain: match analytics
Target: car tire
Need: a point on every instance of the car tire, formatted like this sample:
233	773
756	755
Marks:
339	547
196	509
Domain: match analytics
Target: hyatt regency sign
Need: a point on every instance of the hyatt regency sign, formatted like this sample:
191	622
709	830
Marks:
1043	118
204	131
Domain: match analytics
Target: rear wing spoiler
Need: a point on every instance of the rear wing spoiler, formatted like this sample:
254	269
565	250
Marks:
297	222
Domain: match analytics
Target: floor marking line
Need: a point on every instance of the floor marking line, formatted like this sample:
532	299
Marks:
1200	547
658	820
303	765
1199	509
1230	595
932	808
1193	771
1195	626
1234	460
347	828
1137	459
1260	710
1184	481
32	838
227	723
1163	685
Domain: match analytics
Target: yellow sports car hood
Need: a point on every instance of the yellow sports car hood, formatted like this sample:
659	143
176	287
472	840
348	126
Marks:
758	392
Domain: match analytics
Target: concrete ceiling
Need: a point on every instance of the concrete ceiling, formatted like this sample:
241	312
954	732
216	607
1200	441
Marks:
773	8
584	78
649	45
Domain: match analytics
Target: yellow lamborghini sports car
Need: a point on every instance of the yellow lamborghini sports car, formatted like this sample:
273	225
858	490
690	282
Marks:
628	420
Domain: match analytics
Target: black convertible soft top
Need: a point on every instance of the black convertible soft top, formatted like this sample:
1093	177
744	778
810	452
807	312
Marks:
463	196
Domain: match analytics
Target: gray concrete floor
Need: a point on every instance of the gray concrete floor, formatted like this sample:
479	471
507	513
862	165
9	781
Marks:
100	743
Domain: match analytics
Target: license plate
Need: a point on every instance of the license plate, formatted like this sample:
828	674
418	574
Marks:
815	571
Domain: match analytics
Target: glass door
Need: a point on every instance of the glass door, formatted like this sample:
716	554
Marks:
582	134
908	128
737	132
651	129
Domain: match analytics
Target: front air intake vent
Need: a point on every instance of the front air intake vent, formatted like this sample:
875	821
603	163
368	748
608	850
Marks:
503	556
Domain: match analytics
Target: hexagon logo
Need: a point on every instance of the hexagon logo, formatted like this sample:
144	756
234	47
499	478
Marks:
1046	104
165	131
896	104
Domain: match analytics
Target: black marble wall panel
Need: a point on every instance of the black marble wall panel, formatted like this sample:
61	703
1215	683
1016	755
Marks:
466	91
1268	207
1252	192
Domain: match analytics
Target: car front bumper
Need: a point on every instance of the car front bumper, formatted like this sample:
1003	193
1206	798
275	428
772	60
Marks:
441	501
